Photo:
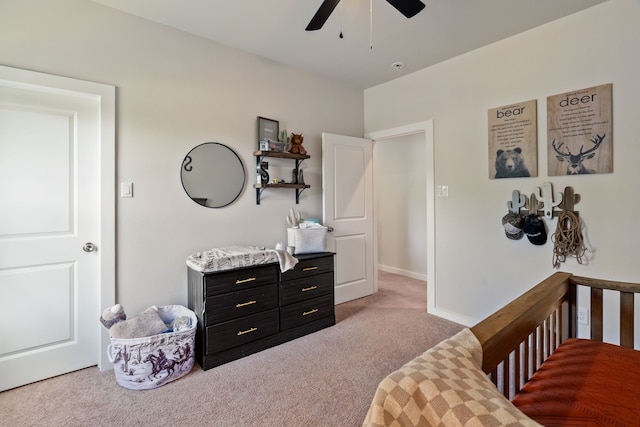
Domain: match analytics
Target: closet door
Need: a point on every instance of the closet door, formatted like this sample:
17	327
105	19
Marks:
50	233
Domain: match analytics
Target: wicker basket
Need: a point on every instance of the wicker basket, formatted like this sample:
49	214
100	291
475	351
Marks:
150	362
307	240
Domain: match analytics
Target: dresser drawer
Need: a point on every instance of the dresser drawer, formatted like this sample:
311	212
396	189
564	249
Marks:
241	331
305	288
309	267
306	311
236	304
228	281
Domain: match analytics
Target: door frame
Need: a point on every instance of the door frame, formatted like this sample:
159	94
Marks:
426	128
106	249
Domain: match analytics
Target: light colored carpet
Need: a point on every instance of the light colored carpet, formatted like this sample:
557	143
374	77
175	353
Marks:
324	379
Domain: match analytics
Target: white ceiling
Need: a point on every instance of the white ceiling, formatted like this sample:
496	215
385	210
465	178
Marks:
275	29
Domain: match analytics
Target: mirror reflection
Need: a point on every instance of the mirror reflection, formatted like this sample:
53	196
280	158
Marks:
213	175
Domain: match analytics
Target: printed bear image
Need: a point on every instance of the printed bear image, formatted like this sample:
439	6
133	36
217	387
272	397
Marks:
510	164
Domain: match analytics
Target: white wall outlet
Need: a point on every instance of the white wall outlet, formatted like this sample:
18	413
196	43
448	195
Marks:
583	316
442	191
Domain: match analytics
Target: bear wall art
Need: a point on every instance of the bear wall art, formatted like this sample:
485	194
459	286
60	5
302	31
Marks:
513	141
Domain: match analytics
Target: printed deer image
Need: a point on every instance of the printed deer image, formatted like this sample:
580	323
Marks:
575	165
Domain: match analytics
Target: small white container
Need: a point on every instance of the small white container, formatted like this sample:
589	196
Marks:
307	240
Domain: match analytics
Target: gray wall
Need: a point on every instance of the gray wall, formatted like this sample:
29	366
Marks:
477	268
175	91
401	195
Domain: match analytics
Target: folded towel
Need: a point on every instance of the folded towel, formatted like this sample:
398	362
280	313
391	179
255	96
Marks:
286	260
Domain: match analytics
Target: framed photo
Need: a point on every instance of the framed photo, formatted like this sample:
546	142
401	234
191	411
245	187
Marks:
267	132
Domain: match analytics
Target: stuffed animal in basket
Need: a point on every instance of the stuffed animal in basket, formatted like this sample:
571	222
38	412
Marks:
145	324
296	144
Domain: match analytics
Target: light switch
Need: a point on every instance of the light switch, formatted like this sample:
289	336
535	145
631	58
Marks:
126	189
442	191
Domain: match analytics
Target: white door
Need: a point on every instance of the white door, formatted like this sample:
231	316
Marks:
50	228
347	200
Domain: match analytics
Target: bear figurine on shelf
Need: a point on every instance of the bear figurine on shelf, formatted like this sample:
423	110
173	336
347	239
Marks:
296	144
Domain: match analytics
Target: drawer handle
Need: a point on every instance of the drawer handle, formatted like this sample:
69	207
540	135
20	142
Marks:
250	279
309	268
247	331
310	288
306	313
244	304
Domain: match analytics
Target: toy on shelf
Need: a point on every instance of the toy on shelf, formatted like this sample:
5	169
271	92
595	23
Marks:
296	144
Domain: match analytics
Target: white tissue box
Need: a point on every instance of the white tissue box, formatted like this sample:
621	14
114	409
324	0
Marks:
307	240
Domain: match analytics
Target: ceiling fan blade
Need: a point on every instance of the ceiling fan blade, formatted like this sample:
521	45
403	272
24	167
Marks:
322	15
408	8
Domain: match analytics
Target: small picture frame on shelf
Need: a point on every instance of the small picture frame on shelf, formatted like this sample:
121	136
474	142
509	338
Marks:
267	133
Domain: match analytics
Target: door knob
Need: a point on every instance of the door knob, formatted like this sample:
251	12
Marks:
89	247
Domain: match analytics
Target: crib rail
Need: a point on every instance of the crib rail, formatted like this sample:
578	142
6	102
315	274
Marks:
520	336
626	291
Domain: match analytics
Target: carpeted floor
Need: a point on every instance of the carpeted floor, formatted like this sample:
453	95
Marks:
324	379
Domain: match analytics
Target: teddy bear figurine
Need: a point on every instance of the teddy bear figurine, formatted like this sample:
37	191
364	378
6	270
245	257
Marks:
296	144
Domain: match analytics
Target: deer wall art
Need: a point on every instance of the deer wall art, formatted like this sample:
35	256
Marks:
575	162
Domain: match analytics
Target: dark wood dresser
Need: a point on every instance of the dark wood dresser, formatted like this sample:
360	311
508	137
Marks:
246	310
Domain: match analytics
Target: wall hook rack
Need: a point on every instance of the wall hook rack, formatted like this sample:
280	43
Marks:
569	200
298	186
545	195
543	201
534	206
517	202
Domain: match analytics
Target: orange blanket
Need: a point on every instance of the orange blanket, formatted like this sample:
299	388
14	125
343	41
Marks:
585	383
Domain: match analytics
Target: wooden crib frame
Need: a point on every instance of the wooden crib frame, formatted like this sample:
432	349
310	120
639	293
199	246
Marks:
520	336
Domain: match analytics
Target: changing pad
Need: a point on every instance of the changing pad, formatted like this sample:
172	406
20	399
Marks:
231	257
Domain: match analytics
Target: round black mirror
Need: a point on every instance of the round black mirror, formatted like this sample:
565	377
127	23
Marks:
213	175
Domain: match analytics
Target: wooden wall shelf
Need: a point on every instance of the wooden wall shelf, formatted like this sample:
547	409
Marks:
298	158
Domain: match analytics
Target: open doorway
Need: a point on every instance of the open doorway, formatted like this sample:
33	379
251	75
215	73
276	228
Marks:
401	206
410	231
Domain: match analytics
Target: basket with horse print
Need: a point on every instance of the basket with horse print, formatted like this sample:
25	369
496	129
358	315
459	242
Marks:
150	362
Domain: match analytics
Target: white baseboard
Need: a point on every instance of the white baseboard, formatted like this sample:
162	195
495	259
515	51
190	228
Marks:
453	317
445	314
406	273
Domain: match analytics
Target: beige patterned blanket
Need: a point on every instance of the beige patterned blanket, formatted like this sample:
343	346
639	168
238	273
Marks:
232	257
444	386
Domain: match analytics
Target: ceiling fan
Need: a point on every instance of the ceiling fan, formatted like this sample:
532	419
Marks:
408	8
